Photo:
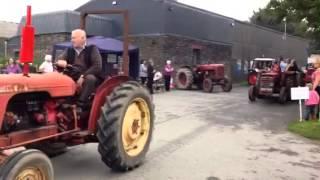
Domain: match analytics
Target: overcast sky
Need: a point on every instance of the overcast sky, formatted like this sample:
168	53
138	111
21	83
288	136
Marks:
13	10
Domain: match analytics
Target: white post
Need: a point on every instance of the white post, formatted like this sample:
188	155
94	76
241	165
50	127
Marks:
284	37
285	30
300	110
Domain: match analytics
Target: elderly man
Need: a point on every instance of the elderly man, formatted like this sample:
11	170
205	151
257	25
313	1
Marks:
87	59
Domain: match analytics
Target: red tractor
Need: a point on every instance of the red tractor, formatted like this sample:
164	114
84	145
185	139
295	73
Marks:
275	84
257	65
38	111
205	77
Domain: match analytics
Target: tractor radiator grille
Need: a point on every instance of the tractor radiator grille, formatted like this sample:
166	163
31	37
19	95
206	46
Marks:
219	73
266	81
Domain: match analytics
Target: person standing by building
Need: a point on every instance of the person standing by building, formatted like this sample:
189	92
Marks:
316	74
143	72
311	104
168	70
150	72
13	67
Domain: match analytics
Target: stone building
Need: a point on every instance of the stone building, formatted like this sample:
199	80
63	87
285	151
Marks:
167	29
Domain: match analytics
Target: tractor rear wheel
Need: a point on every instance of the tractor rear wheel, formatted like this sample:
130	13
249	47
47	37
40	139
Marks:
184	78
207	85
125	126
27	164
252	93
283	97
227	86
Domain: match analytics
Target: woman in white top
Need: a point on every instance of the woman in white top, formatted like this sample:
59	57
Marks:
143	72
46	66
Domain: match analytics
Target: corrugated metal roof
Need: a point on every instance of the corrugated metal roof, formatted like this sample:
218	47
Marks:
66	21
8	29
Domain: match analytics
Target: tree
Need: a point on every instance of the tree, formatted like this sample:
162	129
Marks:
302	17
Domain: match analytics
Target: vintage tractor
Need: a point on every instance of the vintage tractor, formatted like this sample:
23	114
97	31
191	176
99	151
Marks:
257	65
39	111
275	84
205	77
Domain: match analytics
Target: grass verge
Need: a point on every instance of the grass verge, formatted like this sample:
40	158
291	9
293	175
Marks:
308	129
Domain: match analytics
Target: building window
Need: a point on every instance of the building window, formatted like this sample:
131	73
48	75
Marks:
196	54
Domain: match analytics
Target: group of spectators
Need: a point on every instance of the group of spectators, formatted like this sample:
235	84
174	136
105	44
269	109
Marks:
148	74
15	67
284	65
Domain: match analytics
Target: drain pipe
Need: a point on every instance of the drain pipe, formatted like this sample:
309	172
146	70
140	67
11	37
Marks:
5	48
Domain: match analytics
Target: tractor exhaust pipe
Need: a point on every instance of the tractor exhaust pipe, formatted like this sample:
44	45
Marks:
27	43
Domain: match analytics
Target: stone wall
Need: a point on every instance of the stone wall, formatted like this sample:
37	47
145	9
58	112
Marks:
180	51
158	47
43	44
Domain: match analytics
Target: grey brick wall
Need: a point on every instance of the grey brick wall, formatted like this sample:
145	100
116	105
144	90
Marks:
180	50
158	47
43	44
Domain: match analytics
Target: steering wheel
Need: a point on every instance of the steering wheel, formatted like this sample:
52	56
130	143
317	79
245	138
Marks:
72	71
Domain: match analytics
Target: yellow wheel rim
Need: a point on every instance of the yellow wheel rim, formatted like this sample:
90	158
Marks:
136	127
31	173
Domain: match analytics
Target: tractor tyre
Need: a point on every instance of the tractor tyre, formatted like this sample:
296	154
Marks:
207	85
184	78
227	86
51	149
125	127
27	164
283	97
252	93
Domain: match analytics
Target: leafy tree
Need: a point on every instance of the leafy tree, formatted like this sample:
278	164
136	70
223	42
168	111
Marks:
302	18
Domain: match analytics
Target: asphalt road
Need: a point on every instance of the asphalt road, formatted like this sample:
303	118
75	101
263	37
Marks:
200	136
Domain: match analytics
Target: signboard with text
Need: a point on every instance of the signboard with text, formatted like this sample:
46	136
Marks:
299	93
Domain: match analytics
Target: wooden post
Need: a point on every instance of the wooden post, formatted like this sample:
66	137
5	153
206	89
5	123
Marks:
126	40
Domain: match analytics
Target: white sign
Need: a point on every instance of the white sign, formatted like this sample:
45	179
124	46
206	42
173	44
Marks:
299	93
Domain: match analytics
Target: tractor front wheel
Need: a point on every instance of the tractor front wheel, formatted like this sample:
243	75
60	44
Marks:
252	93
207	85
27	164
283	97
125	126
227	85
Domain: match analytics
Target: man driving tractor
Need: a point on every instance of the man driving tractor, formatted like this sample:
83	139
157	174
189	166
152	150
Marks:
88	61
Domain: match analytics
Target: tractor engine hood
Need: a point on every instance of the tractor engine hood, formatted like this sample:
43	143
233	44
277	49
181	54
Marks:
56	84
210	67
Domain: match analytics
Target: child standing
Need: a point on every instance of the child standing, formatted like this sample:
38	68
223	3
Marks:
311	104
